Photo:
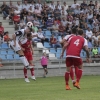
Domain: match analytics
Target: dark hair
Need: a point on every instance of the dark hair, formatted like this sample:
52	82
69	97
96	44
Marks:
28	35
74	30
80	32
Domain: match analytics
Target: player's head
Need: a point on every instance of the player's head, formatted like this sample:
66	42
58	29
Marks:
44	53
80	32
74	30
28	30
29	36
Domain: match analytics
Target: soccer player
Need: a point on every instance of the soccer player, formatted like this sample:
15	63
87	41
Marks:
28	52
66	38
75	45
21	36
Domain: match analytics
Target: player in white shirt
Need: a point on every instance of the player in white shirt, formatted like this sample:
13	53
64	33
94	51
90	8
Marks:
21	37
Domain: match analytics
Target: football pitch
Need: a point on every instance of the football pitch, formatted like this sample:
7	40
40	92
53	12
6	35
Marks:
50	88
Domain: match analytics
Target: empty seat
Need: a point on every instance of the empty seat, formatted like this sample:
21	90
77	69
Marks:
59	50
47	45
16	57
46	51
52	50
3	52
3	57
4	46
51	55
47	33
10	57
40	45
11	52
58	55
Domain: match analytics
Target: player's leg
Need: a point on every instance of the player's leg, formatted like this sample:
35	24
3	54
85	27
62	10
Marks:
76	71
17	49
25	75
78	62
44	75
69	63
72	74
29	57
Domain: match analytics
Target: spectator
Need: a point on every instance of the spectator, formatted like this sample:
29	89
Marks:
95	52
89	33
49	23
57	12
55	29
41	36
83	5
61	29
91	5
35	27
37	12
29	17
54	43
16	20
23	14
52	5
25	5
73	6
19	6
31	9
58	5
11	5
6	37
36	22
1	29
5	10
65	6
17	11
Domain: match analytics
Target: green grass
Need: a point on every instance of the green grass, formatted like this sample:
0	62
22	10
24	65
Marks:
50	88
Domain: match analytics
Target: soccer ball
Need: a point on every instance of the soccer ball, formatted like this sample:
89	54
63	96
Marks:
30	24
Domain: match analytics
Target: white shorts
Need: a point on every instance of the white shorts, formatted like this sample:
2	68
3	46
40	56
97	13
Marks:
17	47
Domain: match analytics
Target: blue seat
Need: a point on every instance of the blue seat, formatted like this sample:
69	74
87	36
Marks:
11	52
83	54
3	57
10	57
58	55
59	50
47	33
52	50
47	45
4	46
99	50
16	57
3	52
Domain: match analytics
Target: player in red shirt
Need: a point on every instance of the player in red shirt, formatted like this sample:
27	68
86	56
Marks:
28	52
74	47
66	38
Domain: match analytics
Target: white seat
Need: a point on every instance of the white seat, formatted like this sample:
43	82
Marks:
52	56
40	45
46	51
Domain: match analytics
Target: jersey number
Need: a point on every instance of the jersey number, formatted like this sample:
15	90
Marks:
77	42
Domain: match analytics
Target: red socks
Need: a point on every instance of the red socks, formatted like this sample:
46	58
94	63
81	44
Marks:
79	75
76	71
25	72
67	77
71	73
32	71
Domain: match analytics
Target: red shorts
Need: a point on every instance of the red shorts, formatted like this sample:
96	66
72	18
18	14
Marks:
28	55
70	61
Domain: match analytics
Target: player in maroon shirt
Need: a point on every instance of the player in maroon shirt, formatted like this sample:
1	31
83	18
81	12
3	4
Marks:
74	47
28	52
